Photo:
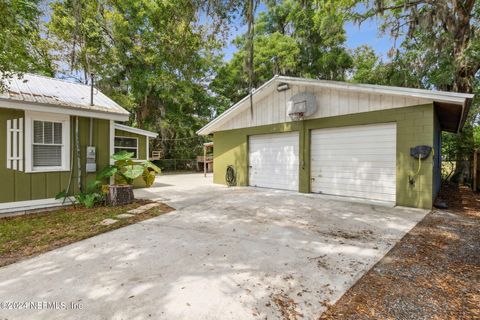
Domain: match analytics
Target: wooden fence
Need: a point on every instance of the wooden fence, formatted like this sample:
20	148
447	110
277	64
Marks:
476	170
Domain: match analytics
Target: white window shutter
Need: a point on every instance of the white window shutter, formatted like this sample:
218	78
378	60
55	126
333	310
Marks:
20	144
9	144
15	144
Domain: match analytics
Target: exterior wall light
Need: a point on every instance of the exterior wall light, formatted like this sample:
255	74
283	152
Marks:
283	87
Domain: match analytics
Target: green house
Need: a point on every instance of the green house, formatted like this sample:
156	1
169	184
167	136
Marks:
376	143
40	120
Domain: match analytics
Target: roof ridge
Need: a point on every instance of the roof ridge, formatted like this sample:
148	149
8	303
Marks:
57	79
387	87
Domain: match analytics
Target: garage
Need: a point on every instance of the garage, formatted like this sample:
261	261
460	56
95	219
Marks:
273	160
343	139
355	161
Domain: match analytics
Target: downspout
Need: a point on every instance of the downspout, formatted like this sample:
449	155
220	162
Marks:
77	145
463	117
90	141
91	89
91	104
70	175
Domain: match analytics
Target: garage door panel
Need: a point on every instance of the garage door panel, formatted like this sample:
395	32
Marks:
335	174
351	184
343	139
350	164
354	158
273	160
360	131
360	147
357	161
338	145
361	194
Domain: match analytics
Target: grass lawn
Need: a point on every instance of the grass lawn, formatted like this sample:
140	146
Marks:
29	235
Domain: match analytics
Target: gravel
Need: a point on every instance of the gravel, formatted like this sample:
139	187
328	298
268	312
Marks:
432	273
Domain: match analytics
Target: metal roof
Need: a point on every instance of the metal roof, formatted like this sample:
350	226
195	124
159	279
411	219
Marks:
452	98
136	130
35	89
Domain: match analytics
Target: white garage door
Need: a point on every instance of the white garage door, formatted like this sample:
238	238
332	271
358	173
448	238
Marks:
273	161
357	161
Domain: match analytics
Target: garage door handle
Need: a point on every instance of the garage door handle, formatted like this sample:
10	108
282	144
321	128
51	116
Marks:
250	166
313	179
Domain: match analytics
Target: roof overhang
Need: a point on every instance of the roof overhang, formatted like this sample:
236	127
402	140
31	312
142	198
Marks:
73	111
448	104
136	130
452	117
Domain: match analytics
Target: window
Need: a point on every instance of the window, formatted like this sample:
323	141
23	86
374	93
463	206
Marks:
127	144
47	142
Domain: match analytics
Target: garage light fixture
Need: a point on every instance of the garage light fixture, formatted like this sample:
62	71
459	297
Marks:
282	87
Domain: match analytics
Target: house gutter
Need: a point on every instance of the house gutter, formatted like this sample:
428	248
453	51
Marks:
63	109
465	109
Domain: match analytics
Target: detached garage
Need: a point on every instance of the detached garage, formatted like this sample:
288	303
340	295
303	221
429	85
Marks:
350	140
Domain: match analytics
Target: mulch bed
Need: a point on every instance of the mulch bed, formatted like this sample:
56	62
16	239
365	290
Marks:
29	235
432	273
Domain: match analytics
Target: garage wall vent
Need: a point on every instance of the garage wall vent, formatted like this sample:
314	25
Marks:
301	105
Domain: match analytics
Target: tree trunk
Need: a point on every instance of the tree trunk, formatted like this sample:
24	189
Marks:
462	174
120	195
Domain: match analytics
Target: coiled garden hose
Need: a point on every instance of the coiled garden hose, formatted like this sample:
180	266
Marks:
411	180
230	176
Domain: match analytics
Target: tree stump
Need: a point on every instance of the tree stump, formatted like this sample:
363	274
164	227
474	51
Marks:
120	194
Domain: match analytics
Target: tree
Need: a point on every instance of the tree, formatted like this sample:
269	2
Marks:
274	54
296	38
80	35
439	49
22	47
153	57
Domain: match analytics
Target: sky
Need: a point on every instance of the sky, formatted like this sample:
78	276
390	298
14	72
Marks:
365	34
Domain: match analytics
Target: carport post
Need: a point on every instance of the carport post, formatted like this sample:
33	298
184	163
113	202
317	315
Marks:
205	161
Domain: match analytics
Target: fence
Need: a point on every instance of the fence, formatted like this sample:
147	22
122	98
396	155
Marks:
466	174
177	164
476	170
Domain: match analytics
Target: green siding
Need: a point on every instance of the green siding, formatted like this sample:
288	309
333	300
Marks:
142	152
142	142
101	140
20	186
415	126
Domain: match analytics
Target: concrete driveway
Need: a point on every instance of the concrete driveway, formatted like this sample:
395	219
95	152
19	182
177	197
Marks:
237	253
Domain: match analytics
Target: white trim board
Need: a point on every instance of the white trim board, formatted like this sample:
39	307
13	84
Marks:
136	130
31	205
29	106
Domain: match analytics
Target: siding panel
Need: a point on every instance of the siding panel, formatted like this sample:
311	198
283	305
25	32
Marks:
331	102
20	186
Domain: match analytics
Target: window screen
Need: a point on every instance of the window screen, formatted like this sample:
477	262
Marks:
47	144
127	144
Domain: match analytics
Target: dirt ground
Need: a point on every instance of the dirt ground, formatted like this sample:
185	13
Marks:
432	273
